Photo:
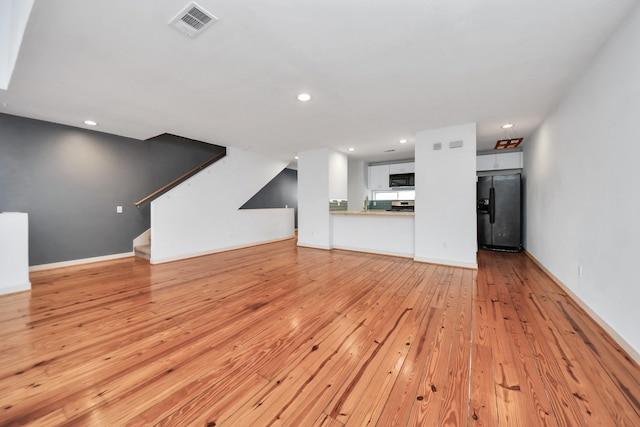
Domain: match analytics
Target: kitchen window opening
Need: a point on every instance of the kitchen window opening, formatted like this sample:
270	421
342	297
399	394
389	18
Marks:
395	195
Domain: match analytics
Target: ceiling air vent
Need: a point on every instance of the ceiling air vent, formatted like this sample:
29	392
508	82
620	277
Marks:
192	20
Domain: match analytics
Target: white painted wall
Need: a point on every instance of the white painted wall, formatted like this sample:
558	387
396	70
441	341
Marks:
14	252
381	234
322	175
313	199
357	184
445	218
202	214
582	185
338	175
14	15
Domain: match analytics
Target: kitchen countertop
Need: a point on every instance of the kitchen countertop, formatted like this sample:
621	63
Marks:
373	212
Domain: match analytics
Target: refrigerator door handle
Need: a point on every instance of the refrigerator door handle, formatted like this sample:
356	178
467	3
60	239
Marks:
492	205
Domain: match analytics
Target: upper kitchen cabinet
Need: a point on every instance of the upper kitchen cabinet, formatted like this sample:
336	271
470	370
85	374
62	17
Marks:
379	177
409	167
492	162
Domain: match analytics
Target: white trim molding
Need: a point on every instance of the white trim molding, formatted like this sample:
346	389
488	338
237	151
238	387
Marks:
625	346
154	261
375	251
79	261
449	263
305	245
15	289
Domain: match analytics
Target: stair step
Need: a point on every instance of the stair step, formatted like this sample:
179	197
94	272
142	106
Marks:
143	251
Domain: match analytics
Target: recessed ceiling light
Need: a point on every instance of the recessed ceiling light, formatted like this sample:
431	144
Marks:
507	126
90	123
296	157
304	97
352	149
403	141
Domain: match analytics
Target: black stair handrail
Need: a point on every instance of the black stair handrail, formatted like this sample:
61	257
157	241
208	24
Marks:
180	179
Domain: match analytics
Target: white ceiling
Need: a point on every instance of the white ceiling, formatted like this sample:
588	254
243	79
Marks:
378	70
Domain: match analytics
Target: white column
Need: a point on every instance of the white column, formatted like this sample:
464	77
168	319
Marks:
14	252
445	217
357	189
322	176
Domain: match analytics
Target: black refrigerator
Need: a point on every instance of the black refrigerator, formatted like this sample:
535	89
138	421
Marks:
499	208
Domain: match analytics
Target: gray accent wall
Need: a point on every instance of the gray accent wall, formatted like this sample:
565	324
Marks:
70	180
281	191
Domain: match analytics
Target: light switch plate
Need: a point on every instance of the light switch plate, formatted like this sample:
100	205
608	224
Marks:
118	209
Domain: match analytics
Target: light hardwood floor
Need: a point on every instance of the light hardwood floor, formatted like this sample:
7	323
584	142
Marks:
280	335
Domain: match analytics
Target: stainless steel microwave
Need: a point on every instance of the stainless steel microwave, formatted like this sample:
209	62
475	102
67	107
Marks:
402	180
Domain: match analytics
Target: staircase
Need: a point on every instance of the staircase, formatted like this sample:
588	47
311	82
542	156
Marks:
142	245
143	251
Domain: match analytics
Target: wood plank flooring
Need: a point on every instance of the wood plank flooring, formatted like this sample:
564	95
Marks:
277	335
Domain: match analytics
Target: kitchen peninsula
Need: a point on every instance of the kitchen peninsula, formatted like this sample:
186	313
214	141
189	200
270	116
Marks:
375	231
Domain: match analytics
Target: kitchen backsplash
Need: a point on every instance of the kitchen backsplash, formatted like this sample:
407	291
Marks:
374	205
382	205
337	205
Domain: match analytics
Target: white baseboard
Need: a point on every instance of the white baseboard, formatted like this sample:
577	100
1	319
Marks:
323	247
155	261
373	251
632	352
15	288
79	261
448	263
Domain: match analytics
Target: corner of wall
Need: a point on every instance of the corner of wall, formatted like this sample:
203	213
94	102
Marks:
322	175
581	213
201	216
445	218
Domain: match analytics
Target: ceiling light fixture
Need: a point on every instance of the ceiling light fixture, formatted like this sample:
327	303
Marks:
90	123
304	97
296	157
403	141
352	149
508	141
